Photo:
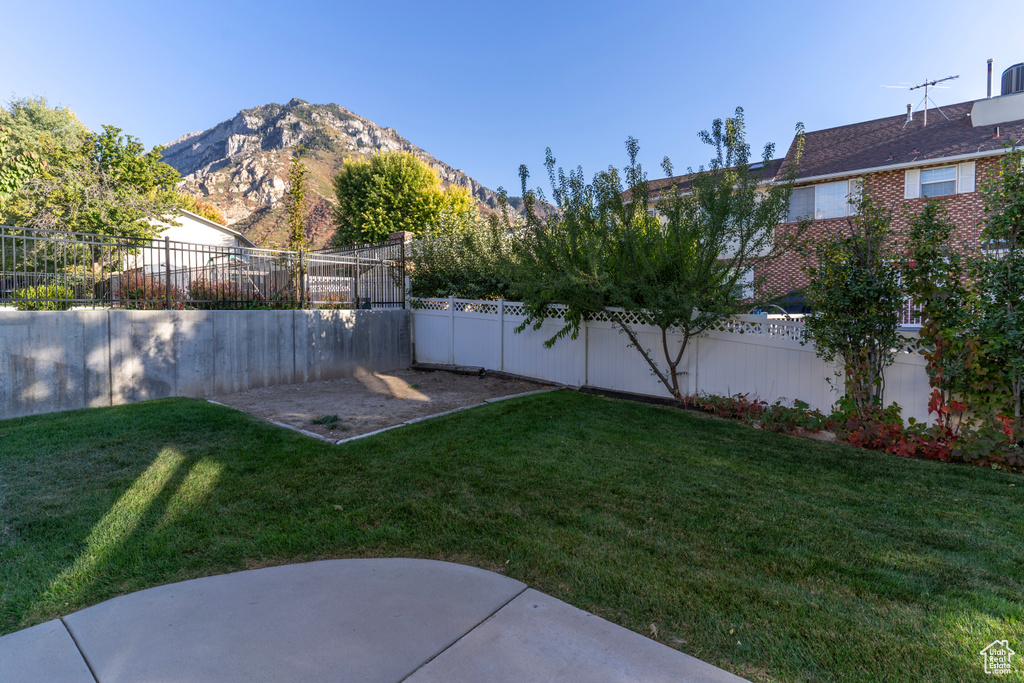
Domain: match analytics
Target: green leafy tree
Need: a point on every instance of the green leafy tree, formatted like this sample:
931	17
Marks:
34	126
15	168
389	192
200	207
936	279
602	254
31	133
103	182
295	202
999	274
108	185
470	263
856	299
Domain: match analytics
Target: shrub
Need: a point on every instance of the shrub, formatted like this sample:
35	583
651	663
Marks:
281	299
332	302
143	292
50	297
875	428
472	263
855	293
212	295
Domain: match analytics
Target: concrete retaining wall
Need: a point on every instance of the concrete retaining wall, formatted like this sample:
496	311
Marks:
52	360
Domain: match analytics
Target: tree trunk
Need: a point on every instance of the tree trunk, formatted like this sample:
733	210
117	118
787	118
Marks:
671	382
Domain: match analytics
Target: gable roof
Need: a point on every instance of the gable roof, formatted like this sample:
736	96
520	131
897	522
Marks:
875	145
216	226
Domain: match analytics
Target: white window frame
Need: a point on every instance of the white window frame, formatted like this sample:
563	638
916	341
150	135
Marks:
913	188
952	180
746	282
854	186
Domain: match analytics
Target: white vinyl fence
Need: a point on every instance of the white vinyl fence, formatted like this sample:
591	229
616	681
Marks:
750	355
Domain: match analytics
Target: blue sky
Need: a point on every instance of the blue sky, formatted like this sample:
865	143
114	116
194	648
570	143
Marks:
487	86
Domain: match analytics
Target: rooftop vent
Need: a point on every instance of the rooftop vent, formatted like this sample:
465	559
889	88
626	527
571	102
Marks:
1013	80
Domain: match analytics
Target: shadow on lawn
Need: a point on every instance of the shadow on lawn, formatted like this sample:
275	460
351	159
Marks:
168	484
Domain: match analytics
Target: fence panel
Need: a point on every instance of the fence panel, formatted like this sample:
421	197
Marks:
764	359
526	355
51	270
477	333
612	364
432	331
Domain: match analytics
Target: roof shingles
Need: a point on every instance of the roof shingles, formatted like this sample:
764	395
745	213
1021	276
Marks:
891	141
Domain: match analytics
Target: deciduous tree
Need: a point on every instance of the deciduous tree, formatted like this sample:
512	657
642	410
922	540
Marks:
389	192
856	298
602	253
999	274
295	202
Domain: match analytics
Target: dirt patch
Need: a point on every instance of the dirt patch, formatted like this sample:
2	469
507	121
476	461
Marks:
368	402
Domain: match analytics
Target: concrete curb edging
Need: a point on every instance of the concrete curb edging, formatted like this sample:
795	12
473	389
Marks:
337	442
278	424
447	412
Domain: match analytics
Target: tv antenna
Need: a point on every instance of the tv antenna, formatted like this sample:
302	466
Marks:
930	84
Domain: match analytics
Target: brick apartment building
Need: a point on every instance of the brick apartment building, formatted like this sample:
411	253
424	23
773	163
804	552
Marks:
903	161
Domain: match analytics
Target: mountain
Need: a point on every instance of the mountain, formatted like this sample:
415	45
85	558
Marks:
240	165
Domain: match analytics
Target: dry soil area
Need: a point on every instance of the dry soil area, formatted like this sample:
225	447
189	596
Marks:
369	402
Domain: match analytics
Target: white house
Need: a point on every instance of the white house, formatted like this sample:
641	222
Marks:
195	229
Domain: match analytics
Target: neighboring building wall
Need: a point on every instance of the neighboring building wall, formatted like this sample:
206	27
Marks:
966	210
63	360
199	230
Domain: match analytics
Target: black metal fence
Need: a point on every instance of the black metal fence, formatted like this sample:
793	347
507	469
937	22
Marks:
47	270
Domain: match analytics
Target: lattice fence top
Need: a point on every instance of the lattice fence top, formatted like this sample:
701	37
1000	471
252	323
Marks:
747	325
486	307
515	309
429	304
789	330
630	318
910	345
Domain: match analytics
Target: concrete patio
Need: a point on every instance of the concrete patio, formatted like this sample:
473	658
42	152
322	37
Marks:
342	620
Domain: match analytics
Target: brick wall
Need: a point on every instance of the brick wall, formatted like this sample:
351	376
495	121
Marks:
966	210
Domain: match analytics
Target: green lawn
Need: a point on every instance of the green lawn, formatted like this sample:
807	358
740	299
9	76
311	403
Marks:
770	556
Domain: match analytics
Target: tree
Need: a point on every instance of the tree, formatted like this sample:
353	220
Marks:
34	126
107	185
856	298
15	168
103	182
999	274
295	202
200	207
389	192
935	278
602	254
467	262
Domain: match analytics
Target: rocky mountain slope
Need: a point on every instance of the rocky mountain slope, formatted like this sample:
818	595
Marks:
240	165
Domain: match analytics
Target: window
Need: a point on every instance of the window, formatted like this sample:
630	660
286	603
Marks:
939	182
828	200
745	284
801	204
936	182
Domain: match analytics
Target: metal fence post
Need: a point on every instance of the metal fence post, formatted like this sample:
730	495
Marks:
167	272
403	287
355	285
302	282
